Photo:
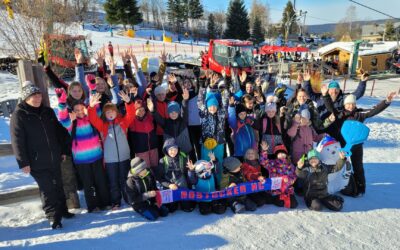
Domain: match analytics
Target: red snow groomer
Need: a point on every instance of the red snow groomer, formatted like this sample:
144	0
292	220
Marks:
225	54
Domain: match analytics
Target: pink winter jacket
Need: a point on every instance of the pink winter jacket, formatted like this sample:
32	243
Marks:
303	138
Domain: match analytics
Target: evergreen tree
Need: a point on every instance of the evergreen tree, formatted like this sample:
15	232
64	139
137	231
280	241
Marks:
258	31
195	9
177	13
237	21
389	31
212	31
124	12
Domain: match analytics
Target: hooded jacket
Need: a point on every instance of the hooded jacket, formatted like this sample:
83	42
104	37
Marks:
172	170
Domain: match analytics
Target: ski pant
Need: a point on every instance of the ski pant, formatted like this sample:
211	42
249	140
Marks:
186	206
276	200
259	198
195	135
216	206
117	173
358	167
70	183
332	202
94	184
51	192
229	142
152	212
219	154
160	141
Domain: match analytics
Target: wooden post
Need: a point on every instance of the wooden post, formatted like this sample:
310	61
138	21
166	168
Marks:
175	49
344	87
42	82
35	74
373	86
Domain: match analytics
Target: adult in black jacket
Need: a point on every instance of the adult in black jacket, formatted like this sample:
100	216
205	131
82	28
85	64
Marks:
39	145
351	112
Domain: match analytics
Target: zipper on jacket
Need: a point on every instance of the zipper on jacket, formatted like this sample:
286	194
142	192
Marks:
116	143
47	138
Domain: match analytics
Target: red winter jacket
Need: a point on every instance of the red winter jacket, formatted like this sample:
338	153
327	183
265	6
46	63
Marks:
251	173
122	121
142	134
162	109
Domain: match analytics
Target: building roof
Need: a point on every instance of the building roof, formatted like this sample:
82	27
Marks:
369	49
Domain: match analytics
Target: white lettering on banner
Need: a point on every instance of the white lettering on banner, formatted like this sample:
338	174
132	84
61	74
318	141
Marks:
166	196
276	183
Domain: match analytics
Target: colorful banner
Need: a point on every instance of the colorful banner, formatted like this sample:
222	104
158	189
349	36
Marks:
168	196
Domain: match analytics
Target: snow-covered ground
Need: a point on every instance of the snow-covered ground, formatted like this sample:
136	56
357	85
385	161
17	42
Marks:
369	222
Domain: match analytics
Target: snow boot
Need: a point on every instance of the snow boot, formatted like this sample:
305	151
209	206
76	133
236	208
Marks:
68	215
238	207
250	205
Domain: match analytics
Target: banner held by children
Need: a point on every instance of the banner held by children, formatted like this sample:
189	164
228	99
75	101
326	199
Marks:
168	196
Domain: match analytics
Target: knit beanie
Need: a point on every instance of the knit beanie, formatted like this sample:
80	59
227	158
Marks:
240	108
160	90
305	113
280	149
333	85
231	164
212	101
28	89
312	153
173	107
137	166
349	99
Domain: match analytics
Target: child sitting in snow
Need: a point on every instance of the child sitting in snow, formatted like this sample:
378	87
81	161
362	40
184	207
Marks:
233	176
315	177
202	176
172	173
277	168
141	189
252	172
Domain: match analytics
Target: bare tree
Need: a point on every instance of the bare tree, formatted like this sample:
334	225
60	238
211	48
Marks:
347	25
145	9
21	36
220	19
261	11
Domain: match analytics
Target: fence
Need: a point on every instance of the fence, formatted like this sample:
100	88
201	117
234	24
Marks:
155	49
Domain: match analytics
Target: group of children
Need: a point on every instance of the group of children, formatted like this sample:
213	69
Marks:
133	135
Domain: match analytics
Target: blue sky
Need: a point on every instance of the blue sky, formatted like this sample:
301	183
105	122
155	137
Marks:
320	11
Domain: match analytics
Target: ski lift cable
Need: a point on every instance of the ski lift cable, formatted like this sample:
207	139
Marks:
365	6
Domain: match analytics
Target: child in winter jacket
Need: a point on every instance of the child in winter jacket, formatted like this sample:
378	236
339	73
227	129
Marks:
277	168
351	112
212	116
315	177
141	190
202	177
172	173
113	130
142	135
233	176
272	126
303	134
162	109
252	172
176	125
243	133
87	154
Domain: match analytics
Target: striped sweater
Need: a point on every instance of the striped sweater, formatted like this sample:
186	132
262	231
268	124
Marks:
86	146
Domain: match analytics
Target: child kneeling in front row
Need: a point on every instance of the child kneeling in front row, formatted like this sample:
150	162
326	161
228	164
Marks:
141	190
315	177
